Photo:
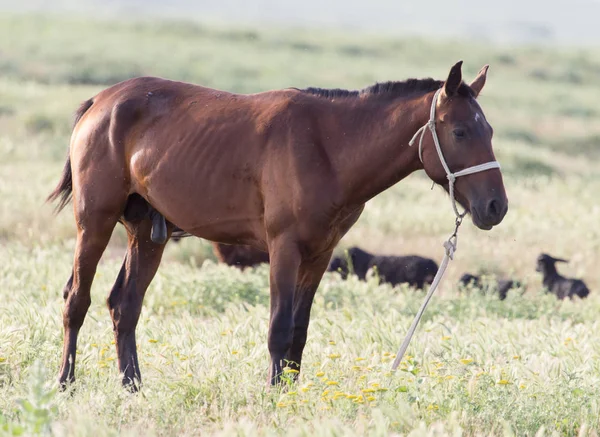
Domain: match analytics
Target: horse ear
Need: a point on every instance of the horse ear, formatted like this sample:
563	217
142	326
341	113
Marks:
479	82
454	79
560	260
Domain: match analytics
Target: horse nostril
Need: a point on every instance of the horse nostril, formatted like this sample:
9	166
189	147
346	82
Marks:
493	208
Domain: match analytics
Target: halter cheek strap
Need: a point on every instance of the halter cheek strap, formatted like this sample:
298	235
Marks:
451	176
450	243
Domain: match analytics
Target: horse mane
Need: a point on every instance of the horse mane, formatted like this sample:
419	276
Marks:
390	89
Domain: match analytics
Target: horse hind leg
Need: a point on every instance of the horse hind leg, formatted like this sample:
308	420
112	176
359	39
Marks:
93	234
125	299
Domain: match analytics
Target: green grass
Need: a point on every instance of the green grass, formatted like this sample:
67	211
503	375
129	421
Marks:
478	366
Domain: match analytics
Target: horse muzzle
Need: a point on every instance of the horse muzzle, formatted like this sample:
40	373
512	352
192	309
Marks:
489	213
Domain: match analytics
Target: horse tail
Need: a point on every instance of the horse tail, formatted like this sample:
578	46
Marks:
64	189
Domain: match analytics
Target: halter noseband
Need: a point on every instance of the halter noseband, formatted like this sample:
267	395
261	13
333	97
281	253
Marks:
451	176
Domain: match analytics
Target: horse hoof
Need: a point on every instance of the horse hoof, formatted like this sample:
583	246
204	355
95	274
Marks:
132	386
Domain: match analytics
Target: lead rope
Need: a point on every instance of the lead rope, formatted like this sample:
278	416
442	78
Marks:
451	243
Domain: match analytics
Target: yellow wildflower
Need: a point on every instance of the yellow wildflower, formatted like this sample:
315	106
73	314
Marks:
466	361
319	374
332	383
306	387
334	356
503	382
290	370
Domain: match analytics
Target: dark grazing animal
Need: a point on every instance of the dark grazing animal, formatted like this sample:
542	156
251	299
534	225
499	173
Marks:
412	269
286	171
556	284
501	285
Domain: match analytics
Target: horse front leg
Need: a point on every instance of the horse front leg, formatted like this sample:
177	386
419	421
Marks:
309	278
285	262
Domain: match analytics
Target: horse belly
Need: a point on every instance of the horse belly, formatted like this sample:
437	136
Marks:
209	195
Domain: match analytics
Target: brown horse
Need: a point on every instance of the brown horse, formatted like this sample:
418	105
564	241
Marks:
239	255
286	171
236	255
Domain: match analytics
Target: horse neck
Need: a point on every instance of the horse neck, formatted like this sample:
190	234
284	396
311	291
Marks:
372	151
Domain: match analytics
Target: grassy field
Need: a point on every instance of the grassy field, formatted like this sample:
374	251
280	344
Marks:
527	366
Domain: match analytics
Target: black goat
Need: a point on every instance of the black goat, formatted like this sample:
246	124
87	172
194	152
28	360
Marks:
555	283
502	285
414	270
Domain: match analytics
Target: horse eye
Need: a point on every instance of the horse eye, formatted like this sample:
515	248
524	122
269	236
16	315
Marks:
459	133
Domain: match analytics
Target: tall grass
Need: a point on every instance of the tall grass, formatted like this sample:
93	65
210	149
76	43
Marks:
477	364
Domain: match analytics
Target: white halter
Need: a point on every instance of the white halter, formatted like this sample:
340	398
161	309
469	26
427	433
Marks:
450	244
451	176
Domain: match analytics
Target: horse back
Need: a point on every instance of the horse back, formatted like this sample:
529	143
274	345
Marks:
208	160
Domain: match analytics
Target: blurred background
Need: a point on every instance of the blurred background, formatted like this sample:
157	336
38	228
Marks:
528	21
